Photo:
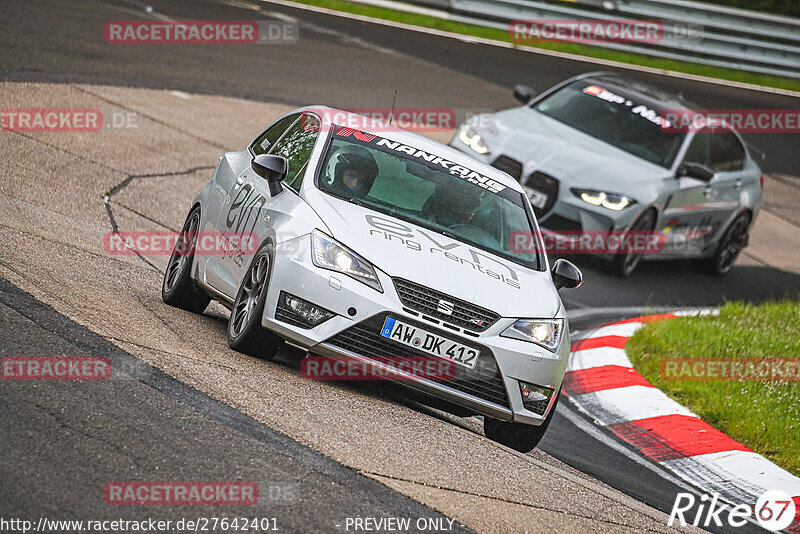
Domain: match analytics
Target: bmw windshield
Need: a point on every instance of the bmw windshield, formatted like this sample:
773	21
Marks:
622	120
426	190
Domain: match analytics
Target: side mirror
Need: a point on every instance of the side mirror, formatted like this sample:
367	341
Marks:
695	170
524	93
566	275
273	169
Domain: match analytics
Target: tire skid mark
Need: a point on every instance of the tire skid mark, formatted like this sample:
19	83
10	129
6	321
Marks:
130	178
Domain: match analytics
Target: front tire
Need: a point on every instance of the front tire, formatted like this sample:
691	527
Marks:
520	437
178	289
626	262
245	333
730	246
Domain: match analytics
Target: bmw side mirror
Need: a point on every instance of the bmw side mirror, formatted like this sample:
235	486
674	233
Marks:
524	93
695	170
566	275
273	169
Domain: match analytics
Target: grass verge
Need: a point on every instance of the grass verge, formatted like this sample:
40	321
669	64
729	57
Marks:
763	415
572	48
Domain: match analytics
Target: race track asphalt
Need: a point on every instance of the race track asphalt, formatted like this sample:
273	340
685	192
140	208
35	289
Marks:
337	62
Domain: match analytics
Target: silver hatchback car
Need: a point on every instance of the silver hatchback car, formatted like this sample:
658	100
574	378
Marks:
381	248
597	155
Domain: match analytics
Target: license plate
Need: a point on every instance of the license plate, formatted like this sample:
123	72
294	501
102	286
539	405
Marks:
537	198
422	340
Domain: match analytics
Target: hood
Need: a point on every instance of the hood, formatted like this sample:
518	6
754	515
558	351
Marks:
402	249
575	158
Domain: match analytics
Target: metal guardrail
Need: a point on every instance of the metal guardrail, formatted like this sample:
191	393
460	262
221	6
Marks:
701	33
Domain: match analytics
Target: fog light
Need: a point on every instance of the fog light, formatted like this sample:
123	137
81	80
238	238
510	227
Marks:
535	398
303	311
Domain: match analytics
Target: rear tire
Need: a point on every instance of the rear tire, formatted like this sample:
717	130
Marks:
178	289
625	263
518	436
245	333
730	246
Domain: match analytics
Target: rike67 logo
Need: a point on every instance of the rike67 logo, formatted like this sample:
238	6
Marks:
774	510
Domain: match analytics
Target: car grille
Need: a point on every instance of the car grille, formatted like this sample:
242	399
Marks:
509	166
537	407
561	224
427	301
364	339
544	183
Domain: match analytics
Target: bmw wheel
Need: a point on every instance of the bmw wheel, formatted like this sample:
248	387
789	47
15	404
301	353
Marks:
245	333
177	288
626	262
730	246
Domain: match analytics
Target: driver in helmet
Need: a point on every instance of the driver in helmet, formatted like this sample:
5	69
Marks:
354	171
453	204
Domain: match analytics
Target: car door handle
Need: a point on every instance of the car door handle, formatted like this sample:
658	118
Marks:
707	192
738	184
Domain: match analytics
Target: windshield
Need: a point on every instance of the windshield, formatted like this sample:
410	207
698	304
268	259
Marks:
426	190
617	119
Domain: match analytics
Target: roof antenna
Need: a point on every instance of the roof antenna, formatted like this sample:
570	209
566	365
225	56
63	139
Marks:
391	115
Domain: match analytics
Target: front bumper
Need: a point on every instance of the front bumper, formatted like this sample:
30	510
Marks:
568	213
492	390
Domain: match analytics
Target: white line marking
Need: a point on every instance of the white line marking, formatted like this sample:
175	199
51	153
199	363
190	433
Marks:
335	33
629	403
541	51
408	8
747	466
755	471
589	358
624	330
615	445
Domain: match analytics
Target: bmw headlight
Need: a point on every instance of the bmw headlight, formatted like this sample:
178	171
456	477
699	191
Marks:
543	332
472	139
611	201
328	253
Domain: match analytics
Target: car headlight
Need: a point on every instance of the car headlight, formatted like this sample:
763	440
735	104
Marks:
543	332
328	253
611	201
472	139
